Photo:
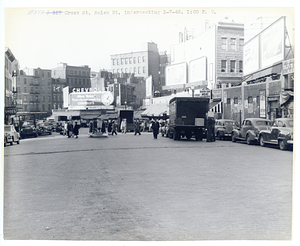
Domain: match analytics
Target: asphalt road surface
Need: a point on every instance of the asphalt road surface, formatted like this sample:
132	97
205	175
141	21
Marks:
130	187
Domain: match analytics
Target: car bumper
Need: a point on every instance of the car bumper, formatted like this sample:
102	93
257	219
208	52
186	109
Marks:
289	142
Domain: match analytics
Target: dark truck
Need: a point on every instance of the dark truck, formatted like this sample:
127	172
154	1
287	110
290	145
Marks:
128	115
187	117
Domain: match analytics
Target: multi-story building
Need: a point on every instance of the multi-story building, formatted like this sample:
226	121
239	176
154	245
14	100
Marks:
140	63
11	71
211	59
35	92
75	76
57	92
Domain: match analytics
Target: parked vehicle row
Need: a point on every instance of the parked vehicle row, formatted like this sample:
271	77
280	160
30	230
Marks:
264	132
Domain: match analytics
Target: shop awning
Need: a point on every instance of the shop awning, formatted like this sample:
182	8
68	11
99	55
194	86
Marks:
89	115
156	110
285	96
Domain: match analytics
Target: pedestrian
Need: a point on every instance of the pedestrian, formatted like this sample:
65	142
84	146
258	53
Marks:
103	128
76	129
109	127
137	127
70	129
65	128
114	128
91	127
123	126
210	129
155	128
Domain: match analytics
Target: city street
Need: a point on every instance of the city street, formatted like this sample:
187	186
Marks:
129	187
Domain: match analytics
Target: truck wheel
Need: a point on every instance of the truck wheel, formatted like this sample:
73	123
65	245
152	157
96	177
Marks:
188	135
198	135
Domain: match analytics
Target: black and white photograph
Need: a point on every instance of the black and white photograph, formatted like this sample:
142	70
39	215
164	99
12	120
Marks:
148	124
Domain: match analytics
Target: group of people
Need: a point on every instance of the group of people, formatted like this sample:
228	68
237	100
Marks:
71	129
97	125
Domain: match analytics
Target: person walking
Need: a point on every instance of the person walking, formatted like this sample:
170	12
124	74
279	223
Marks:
114	128
109	127
70	129
155	128
123	126
137	127
76	129
103	128
66	128
210	129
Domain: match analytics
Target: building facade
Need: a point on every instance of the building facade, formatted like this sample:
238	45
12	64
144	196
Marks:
11	72
35	92
141	63
75	76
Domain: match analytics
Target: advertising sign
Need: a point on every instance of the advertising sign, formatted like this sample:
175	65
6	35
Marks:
205	93
66	96
176	74
272	44
197	70
149	86
216	94
288	67
251	56
262	104
91	100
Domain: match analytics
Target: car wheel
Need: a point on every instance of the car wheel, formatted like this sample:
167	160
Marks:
261	141
233	137
282	145
248	139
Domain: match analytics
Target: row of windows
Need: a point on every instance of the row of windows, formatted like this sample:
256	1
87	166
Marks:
35	98
43	107
130	60
73	81
235	100
232	44
80	73
232	68
35	82
36	73
138	70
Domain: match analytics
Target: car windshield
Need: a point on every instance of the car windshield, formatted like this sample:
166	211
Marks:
290	123
263	123
229	123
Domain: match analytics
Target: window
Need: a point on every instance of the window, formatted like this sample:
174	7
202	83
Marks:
83	81
228	100
71	72
75	72
75	81
233	44
49	107
126	60
232	66
117	61
139	59
25	107
126	70
25	81
130	60
235	100
43	99
250	100
122	61
43	107
240	66
134	70
79	81
25	89
79	73
224	43
133	59
83	73
144	58
241	44
113	61
139	70
71	81
144	69
223	66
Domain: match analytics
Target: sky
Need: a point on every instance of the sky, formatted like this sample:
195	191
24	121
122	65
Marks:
82	36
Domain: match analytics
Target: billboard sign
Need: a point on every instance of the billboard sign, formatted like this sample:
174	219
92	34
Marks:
91	100
251	56
176	74
66	96
149	86
262	104
198	70
272	44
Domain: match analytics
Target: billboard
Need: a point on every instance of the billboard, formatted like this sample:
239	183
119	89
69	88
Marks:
266	48
91	100
251	56
176	74
198	70
149	86
66	96
272	44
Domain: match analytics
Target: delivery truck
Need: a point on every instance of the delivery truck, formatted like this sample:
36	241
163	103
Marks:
187	117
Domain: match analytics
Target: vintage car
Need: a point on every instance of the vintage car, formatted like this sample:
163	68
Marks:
44	128
11	135
281	134
250	129
224	127
29	131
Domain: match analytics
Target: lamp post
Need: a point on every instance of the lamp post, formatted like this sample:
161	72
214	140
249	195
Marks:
192	87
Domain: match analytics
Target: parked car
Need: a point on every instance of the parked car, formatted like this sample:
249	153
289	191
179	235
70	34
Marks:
281	134
250	129
44	128
224	128
29	131
11	135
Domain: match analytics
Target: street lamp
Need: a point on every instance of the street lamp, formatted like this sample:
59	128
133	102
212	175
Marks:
192	87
